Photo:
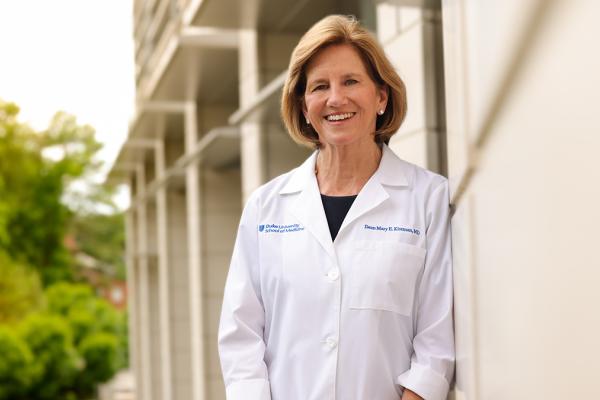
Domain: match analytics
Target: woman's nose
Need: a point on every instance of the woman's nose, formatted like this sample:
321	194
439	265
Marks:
337	96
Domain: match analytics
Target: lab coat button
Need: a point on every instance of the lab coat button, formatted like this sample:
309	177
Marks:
333	274
331	342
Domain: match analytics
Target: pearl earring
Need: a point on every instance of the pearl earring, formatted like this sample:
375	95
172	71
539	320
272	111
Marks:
307	121
380	112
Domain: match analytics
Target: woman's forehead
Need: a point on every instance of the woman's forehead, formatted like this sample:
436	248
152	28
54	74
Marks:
339	59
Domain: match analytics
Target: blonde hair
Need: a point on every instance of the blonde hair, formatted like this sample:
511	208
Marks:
333	30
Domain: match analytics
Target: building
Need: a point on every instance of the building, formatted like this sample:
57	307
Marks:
502	99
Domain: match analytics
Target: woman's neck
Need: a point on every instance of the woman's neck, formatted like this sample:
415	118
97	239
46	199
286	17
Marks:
344	170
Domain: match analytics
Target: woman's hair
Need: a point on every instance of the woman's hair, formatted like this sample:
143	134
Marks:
334	30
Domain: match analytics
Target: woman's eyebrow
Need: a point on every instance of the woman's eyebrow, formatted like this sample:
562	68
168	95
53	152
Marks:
314	82
324	80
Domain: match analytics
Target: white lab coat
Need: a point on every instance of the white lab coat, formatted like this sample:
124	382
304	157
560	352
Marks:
305	318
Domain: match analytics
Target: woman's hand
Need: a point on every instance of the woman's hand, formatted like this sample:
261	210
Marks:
410	395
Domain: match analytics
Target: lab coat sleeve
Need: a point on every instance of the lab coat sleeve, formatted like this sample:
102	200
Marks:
240	338
432	362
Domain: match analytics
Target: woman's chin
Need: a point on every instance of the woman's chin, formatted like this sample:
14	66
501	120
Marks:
346	140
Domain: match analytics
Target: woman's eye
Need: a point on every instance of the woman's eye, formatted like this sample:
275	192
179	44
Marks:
319	87
351	82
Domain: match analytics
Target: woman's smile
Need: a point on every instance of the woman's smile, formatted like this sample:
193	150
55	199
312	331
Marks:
339	117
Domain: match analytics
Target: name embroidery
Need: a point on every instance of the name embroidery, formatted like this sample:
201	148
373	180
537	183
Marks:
392	229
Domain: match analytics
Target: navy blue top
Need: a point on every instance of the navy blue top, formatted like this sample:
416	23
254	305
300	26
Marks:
336	208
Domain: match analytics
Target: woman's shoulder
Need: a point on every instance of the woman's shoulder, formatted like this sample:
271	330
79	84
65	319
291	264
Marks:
268	190
417	177
288	182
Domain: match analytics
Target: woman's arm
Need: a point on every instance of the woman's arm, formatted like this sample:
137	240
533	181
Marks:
432	362
410	395
241	343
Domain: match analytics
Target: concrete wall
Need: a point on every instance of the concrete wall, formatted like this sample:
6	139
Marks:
522	137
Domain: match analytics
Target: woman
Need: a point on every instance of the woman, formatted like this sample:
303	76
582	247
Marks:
340	285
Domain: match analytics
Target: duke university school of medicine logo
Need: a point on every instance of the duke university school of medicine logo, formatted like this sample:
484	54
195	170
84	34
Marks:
277	228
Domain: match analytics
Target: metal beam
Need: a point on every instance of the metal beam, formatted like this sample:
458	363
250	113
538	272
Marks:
273	88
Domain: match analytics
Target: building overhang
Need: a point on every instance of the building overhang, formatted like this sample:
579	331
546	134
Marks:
291	16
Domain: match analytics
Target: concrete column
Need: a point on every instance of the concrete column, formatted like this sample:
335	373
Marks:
221	209
180	320
154	299
252	140
144	316
132	292
192	179
163	270
411	37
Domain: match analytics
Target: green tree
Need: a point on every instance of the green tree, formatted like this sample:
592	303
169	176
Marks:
36	170
57	344
102	236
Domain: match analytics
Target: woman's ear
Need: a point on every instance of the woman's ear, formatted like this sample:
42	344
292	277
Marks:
383	91
304	110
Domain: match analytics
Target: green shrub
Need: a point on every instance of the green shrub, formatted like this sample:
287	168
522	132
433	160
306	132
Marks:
62	297
56	362
16	365
100	352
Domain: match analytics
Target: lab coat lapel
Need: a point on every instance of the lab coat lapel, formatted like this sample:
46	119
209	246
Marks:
371	195
391	172
308	206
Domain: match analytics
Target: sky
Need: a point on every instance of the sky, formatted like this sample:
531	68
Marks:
74	56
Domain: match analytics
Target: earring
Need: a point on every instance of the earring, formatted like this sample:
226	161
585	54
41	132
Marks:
380	112
307	121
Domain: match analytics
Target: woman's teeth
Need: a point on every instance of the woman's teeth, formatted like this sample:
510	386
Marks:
339	117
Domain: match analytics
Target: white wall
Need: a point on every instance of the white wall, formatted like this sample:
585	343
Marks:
524	233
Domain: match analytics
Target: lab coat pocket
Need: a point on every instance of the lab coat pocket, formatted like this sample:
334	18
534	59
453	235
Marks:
385	275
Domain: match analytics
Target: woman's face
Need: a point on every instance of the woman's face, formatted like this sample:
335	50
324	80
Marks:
341	101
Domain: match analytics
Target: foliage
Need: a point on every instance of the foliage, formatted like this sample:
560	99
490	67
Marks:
35	170
101	354
98	333
102	236
62	297
20	290
88	315
56	360
78	341
61	342
16	365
